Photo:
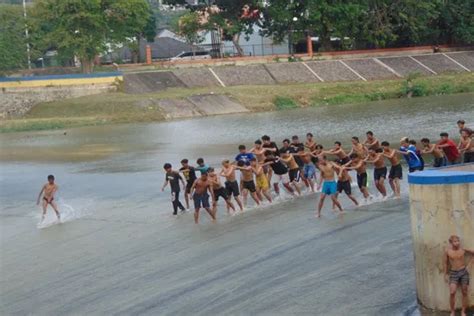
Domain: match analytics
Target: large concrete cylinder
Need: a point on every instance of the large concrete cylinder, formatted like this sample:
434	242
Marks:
441	204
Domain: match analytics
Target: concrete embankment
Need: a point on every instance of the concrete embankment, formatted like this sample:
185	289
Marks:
214	90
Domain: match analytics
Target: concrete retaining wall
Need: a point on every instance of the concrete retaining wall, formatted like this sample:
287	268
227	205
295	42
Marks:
439	63
441	205
17	102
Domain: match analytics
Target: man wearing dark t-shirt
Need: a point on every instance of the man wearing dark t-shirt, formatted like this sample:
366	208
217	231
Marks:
270	146
280	171
189	174
173	178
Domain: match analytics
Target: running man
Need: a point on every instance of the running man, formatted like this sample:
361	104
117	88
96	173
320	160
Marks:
376	158
396	171
173	178
262	184
219	191
189	174
269	145
449	147
231	184
466	145
358	164
371	142
200	190
47	191
329	186
456	274
439	159
247	183
258	151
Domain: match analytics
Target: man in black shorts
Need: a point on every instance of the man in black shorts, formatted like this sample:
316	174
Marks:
380	170
189	174
358	164
344	184
173	178
219	191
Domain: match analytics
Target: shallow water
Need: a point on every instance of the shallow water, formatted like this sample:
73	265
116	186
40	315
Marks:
120	252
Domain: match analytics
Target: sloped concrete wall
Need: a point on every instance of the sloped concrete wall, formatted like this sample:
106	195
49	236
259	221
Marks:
291	73
465	58
439	63
148	82
332	71
196	77
370	69
244	75
405	66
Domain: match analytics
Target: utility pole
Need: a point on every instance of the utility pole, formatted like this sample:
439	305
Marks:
27	36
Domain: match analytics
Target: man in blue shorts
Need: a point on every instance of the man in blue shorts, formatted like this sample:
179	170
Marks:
329	187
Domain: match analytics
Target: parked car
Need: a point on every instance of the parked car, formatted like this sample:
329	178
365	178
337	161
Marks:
192	56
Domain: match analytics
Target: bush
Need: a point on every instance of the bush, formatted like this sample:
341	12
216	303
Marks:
283	103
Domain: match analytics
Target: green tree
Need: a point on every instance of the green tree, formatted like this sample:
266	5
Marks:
12	38
189	28
456	21
84	28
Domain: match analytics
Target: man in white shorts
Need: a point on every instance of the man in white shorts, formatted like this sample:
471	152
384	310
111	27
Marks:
280	172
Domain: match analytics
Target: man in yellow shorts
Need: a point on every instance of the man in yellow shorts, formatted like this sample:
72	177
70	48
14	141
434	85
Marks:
262	184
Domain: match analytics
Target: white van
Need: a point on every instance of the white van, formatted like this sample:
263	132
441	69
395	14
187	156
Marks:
192	56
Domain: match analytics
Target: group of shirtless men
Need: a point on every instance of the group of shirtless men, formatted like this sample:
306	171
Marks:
296	162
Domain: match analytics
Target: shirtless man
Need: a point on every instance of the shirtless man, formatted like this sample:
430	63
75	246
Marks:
376	158
439	159
396	171
48	191
309	169
466	145
344	184
329	187
371	142
258	151
338	151
358	148
358	164
219	191
199	191
261	180
310	143
293	169
247	183
456	274
231	184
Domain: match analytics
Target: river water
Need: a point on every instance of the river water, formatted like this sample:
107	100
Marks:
119	250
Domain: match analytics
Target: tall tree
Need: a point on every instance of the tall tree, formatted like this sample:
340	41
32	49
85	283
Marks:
84	28
12	38
190	28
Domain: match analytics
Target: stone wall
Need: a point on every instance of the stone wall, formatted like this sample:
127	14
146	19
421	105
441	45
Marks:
15	102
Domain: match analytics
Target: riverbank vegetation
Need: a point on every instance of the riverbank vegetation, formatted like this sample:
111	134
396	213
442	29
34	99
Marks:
127	108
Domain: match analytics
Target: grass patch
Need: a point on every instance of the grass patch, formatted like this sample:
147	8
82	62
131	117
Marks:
120	107
284	103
